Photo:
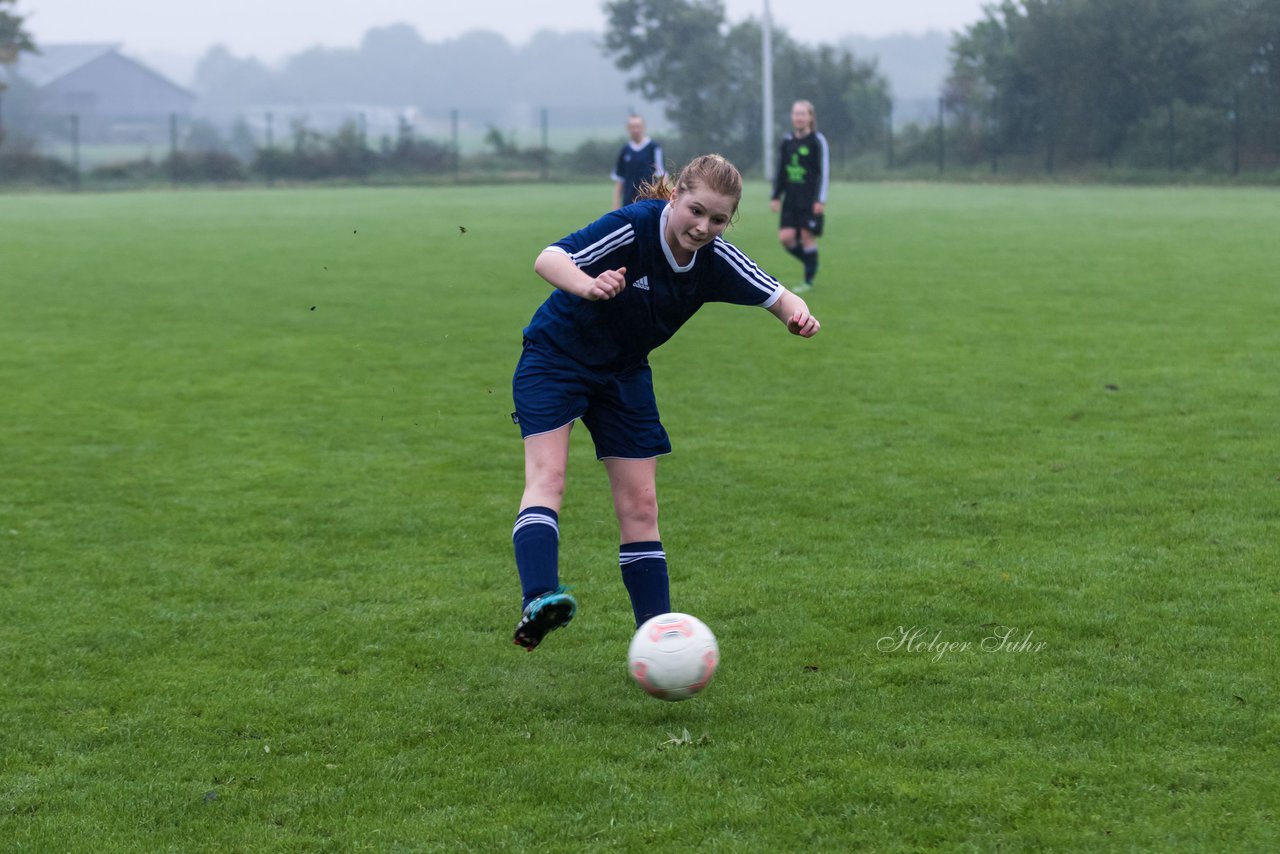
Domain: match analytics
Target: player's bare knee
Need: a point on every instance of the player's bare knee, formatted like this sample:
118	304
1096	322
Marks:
546	482
637	511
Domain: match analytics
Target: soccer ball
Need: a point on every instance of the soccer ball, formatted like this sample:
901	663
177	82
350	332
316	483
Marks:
673	656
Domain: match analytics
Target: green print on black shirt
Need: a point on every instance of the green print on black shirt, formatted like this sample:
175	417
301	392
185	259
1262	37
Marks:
796	172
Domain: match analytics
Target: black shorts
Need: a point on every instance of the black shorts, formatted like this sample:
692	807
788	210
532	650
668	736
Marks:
797	213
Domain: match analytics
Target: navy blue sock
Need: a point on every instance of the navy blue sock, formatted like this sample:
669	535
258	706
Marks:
810	259
644	572
796	250
537	540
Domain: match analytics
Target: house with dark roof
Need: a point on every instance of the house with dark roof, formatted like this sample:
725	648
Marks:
113	97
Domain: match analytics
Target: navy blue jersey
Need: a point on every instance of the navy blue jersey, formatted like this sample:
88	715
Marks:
619	333
637	164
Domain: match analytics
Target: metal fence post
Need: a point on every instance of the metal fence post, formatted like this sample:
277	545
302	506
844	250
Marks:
173	148
269	160
1235	132
995	135
75	150
546	148
1051	132
942	135
457	152
889	134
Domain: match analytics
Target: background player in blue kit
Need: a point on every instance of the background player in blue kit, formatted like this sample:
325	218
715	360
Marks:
800	189
624	285
639	163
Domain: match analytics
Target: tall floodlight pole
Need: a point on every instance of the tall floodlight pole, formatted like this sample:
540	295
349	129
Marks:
767	74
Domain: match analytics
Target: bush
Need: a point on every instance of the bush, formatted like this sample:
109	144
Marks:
915	145
315	157
419	155
133	171
1200	135
191	166
593	157
25	167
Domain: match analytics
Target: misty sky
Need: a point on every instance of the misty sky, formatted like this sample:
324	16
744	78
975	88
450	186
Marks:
273	29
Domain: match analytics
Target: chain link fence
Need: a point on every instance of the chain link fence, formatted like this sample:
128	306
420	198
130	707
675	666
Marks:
271	145
1237	138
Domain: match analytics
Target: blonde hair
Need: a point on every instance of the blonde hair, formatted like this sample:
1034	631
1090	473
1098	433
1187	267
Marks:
712	171
813	114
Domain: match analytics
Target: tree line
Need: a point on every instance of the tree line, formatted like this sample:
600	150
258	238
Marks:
1097	81
395	66
709	75
1100	81
1073	82
1065	83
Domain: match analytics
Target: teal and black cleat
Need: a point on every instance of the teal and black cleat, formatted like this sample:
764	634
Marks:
544	614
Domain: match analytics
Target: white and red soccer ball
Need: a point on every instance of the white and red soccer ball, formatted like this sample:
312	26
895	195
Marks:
673	656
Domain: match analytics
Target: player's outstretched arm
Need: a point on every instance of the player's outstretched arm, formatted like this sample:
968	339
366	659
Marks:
558	269
794	312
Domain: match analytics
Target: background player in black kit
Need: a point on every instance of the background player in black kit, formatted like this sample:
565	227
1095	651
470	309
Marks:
800	189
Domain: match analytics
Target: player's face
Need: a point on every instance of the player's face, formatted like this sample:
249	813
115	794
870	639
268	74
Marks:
697	217
635	129
801	119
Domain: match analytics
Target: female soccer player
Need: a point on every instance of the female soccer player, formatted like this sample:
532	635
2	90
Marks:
624	285
800	189
639	162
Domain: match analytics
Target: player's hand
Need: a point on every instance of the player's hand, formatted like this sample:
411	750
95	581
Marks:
607	285
775	205
818	208
803	323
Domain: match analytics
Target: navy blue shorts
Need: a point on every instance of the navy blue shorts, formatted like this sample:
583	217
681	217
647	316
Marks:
619	409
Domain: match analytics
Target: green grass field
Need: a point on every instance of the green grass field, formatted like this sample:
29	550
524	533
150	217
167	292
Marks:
992	560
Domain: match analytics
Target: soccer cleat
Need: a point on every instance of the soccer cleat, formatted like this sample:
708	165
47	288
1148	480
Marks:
546	613
803	288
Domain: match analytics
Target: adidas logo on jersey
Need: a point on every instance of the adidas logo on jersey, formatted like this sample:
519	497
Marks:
642	283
